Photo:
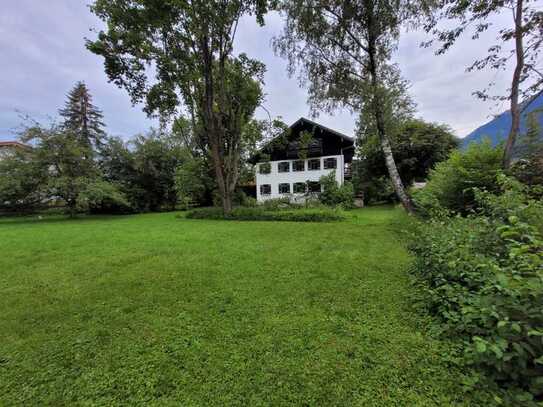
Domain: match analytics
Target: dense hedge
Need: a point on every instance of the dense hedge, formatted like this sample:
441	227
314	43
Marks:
482	276
263	214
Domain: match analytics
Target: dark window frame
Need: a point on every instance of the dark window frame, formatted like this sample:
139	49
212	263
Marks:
297	184
282	184
314	160
297	162
283	163
328	160
262	189
311	187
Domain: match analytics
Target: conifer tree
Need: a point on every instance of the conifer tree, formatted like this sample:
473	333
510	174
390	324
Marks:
83	118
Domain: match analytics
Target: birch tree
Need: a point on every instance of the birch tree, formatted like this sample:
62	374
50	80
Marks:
342	50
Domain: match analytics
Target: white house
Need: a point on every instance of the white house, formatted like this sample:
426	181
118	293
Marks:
8	148
292	164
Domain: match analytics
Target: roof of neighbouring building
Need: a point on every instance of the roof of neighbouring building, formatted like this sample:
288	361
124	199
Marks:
16	144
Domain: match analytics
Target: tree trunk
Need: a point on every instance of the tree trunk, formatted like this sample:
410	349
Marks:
405	199
218	164
72	208
393	173
227	203
515	109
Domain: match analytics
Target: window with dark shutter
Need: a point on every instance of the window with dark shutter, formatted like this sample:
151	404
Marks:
314	165
298	166
283	166
284	188
330	163
265	189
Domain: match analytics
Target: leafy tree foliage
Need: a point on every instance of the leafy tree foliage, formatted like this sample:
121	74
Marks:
343	50
417	147
193	182
69	167
526	33
334	194
57	167
451	186
65	161
190	45
23	182
145	168
83	118
100	196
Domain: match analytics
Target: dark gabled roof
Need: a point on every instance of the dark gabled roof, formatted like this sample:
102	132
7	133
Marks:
300	125
302	120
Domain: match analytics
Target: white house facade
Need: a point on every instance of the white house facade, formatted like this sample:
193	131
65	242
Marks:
291	169
278	179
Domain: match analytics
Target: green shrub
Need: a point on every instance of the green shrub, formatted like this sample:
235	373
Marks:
452	183
334	194
483	278
529	170
102	197
262	214
277	203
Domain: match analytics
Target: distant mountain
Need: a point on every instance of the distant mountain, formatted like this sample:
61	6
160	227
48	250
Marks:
497	129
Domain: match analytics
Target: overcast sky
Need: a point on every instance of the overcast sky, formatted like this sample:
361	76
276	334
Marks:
42	55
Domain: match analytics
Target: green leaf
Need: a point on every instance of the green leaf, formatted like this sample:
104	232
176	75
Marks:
480	346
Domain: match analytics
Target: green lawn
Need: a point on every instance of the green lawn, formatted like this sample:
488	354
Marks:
150	309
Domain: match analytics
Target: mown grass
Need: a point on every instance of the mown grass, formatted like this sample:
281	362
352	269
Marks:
150	309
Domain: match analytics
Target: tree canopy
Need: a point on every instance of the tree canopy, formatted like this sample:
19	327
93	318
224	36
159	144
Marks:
178	56
417	147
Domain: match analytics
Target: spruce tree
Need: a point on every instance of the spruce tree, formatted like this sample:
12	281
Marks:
82	117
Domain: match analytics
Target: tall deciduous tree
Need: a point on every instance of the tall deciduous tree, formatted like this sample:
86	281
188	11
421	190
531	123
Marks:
189	44
526	32
83	118
343	50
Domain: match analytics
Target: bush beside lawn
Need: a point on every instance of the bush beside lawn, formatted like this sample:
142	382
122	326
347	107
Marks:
264	214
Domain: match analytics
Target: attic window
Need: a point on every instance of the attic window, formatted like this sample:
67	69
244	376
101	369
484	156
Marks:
292	149
314	146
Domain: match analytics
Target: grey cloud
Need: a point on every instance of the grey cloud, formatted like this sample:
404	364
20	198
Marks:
43	55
